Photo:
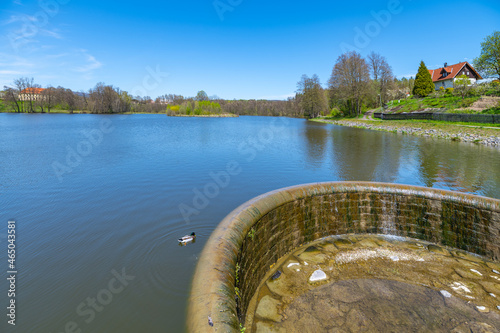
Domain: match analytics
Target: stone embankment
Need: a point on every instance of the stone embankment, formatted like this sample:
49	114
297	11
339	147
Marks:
458	133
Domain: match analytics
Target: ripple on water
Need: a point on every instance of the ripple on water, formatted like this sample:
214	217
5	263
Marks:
166	265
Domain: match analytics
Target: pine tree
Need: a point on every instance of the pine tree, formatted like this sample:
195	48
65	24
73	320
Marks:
423	82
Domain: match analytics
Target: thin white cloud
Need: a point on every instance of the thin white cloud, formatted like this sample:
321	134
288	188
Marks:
50	33
19	18
92	64
11	72
9	60
17	64
57	56
24	31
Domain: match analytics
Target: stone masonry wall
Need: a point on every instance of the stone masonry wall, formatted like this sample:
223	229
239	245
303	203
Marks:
296	223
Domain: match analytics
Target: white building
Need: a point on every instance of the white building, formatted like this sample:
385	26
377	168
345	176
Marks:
31	94
446	76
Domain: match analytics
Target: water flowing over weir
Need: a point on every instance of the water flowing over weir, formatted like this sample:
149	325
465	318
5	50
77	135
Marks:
256	235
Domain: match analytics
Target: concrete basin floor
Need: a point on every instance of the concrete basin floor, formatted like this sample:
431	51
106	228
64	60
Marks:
377	283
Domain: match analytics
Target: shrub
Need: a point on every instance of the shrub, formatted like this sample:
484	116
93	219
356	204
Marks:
466	103
174	108
335	113
495	88
449	91
476	91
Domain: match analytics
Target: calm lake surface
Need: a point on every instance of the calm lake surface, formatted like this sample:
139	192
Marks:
97	232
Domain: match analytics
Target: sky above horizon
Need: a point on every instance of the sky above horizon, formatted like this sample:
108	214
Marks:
235	49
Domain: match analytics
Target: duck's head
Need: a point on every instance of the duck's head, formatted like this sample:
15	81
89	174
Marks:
193	234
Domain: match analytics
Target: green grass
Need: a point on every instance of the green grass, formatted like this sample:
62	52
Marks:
417	104
3	107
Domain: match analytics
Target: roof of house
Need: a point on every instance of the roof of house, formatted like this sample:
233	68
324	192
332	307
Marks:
452	70
32	91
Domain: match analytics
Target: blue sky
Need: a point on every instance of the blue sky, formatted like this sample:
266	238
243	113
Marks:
230	48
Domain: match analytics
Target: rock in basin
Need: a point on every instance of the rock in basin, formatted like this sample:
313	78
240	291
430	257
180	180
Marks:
318	275
268	309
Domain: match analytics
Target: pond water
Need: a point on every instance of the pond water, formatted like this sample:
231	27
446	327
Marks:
100	201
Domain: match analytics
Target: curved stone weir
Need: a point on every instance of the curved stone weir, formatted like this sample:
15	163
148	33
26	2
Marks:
248	244
377	283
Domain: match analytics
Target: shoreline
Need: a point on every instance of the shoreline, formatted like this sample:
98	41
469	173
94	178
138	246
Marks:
225	115
489	136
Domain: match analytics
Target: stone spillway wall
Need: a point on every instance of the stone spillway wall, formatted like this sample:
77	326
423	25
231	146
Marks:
258	233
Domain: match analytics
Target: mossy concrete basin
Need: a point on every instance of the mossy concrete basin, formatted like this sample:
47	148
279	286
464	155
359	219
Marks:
258	233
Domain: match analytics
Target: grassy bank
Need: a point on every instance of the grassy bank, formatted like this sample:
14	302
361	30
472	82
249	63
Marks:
446	103
488	134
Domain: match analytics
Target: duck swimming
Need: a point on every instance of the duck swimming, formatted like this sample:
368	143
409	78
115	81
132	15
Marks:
187	238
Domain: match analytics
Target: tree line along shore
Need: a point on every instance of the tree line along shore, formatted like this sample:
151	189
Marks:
357	84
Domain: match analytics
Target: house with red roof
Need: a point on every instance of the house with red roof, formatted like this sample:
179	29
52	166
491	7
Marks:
446	75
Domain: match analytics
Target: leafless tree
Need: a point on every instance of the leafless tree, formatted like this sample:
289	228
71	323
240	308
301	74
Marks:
48	98
11	97
382	75
311	96
26	87
350	80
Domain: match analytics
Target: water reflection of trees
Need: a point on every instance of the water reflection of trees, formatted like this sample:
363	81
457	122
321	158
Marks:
316	142
375	156
460	166
365	155
361	155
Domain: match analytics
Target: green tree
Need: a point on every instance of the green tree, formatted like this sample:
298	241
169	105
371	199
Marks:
488	63
423	82
462	85
201	96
